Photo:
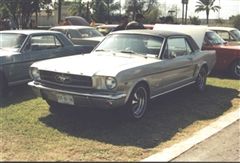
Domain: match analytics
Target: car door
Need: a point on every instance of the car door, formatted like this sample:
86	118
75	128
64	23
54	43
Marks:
38	47
178	66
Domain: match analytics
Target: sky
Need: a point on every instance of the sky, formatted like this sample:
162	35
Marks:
228	8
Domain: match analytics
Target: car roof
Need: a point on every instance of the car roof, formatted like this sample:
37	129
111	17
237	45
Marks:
28	32
71	27
197	32
222	28
163	33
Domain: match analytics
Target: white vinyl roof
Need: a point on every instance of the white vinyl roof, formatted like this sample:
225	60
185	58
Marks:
197	32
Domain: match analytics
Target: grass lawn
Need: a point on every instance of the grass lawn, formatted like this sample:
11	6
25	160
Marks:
30	133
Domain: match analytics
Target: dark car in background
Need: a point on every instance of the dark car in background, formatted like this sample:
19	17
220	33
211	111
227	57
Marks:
20	48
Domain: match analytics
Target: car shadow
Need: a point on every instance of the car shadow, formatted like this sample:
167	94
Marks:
221	75
17	94
167	115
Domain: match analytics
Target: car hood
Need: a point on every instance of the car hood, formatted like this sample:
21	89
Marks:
96	63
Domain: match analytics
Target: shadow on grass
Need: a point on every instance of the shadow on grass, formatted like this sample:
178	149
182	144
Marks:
166	116
222	75
16	95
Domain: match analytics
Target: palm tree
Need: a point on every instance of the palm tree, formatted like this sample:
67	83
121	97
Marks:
206	5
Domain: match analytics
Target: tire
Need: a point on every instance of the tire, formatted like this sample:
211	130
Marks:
3	86
235	69
201	80
138	102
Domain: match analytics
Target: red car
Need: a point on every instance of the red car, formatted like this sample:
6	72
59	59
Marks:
228	56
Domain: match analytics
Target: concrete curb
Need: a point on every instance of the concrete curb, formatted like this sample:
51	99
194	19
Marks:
172	152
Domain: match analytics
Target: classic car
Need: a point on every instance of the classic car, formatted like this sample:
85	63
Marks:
229	34
128	68
20	48
80	35
227	56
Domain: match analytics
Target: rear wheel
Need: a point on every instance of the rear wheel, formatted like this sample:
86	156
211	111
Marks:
235	69
201	80
138	102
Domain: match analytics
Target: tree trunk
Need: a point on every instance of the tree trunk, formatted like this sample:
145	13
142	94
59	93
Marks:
207	12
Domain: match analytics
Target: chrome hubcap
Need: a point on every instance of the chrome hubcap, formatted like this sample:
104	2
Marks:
139	102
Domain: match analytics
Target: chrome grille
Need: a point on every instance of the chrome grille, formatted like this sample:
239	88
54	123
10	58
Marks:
66	79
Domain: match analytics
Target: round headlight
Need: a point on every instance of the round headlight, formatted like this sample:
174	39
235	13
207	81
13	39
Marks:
35	74
111	82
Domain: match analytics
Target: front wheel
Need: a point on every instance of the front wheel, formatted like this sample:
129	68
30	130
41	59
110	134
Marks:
201	80
235	69
138	102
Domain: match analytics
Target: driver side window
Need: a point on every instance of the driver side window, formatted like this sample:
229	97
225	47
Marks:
177	47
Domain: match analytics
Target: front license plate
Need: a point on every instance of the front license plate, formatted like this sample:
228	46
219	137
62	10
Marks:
65	99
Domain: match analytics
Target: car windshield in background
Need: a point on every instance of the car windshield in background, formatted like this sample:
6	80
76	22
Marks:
132	43
85	33
12	40
214	38
236	33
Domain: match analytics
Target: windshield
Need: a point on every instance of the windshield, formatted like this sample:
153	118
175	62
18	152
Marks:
236	34
12	40
213	38
132	43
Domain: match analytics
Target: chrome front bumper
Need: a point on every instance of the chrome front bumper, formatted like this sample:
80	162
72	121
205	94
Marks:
79	99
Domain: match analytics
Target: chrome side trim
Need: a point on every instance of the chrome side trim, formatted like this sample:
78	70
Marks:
172	90
109	97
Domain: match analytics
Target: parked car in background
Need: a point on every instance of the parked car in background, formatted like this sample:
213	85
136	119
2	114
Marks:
107	28
229	34
80	35
20	48
128	68
228	56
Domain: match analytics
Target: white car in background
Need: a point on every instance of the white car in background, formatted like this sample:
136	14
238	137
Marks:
229	34
80	35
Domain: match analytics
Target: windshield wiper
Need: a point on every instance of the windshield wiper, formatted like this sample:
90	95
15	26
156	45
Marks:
128	51
101	50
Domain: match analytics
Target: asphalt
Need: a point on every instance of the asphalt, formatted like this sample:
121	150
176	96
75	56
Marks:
219	141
